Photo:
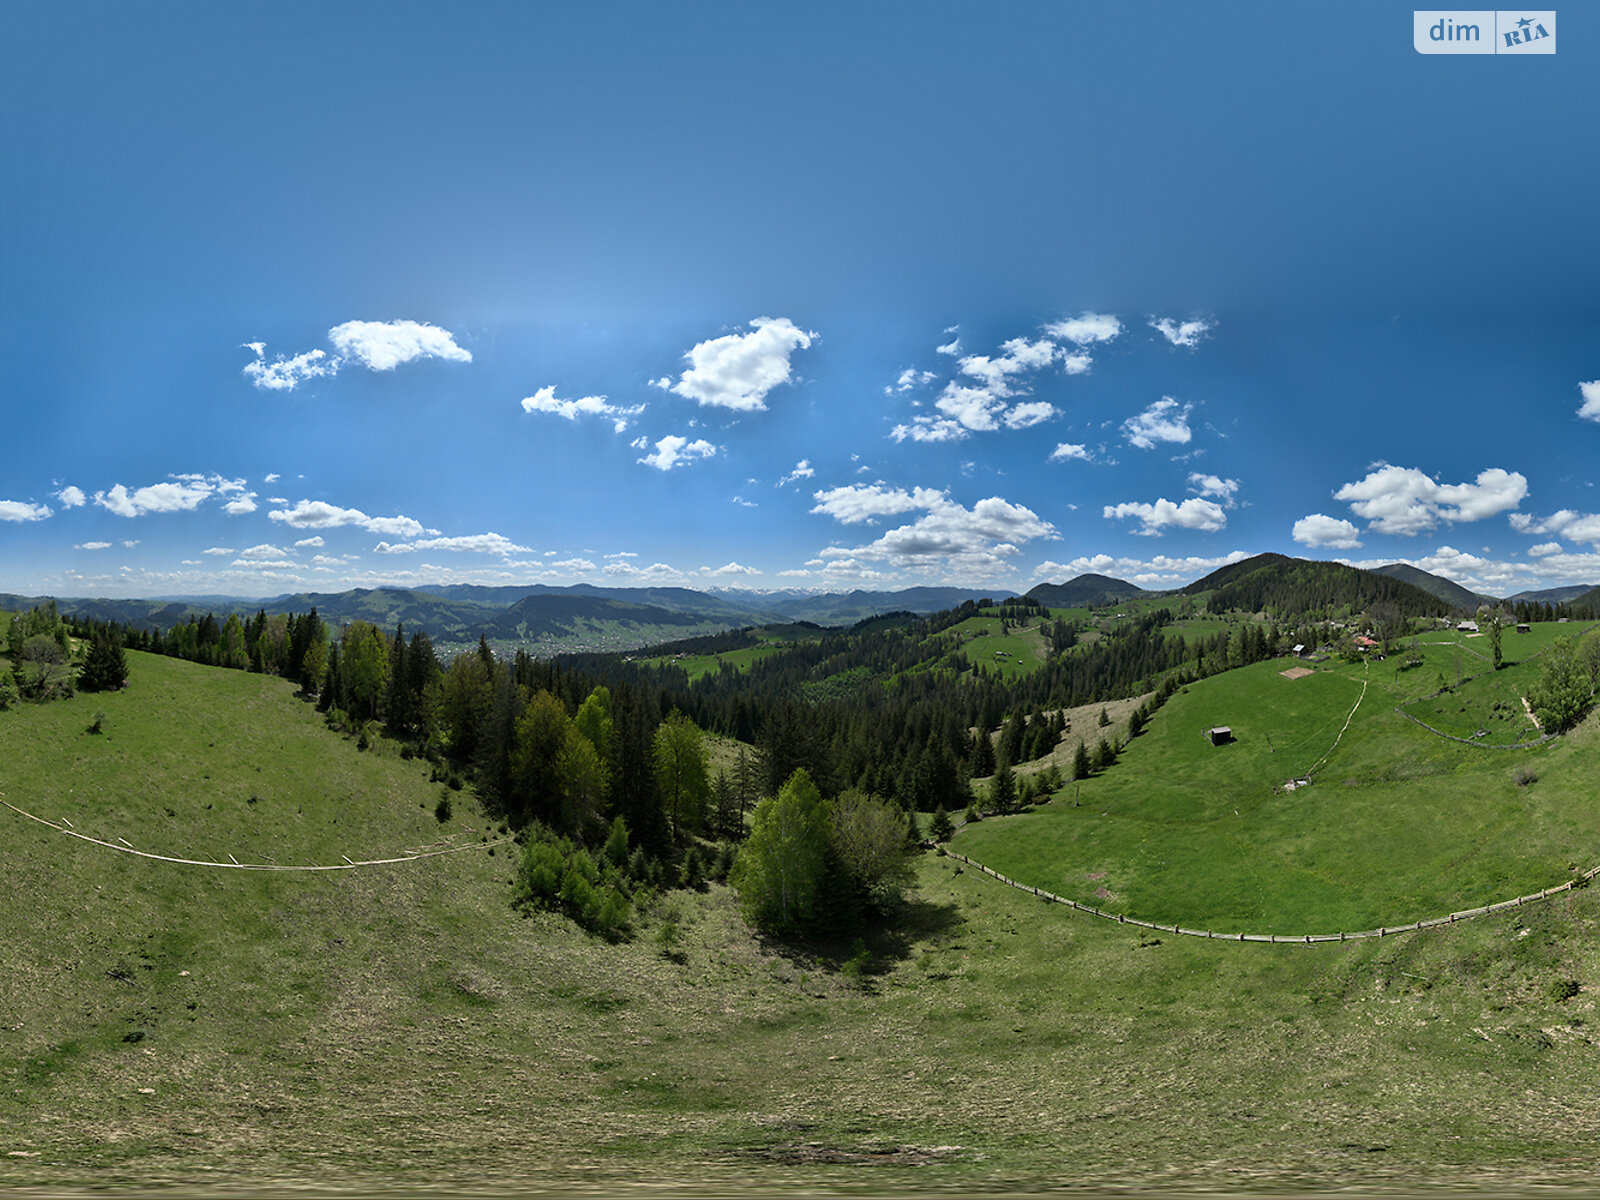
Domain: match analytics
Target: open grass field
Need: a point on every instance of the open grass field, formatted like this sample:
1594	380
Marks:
1398	824
1018	652
402	1030
773	640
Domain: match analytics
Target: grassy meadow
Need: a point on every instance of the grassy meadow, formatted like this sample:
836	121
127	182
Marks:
1019	652
402	1029
773	639
1398	823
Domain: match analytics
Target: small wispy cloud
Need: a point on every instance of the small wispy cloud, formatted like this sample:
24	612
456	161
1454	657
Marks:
1181	333
674	451
802	470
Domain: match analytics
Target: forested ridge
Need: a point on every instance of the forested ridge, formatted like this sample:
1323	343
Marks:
1292	588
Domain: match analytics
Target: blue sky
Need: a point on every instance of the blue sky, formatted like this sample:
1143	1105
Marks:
317	296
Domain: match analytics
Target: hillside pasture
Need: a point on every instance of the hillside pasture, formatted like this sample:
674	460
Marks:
404	1030
1018	652
1487	706
1397	824
773	639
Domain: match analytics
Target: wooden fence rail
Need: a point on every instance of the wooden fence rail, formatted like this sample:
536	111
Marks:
1475	743
1286	938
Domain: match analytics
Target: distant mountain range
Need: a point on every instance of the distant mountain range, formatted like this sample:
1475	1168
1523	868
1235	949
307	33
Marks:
548	620
541	619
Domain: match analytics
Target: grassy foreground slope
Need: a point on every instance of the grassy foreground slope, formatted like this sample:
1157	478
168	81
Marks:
401	1027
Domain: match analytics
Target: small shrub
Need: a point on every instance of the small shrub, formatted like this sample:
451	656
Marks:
692	874
638	865
668	937
974	814
855	967
1525	775
1563	989
442	810
98	724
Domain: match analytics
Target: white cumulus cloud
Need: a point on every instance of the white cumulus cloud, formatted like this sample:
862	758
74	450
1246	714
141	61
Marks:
929	429
1193	513
477	543
265	551
1590	409
1403	500
544	401
376	345
93	546
319	514
950	537
1087	329
1321	530
1574	526
909	378
1217	488
179	496
655	573
854	504
285	374
674	451
1069	450
20	511
728	569
738	370
1166	420
385	345
1026	416
72	497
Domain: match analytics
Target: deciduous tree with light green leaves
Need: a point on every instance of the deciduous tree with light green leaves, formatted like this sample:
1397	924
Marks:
680	762
1566	686
782	862
868	838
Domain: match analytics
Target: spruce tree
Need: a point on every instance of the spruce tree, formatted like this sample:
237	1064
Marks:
106	668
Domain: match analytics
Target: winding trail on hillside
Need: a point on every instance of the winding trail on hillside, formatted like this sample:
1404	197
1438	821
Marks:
346	865
1366	676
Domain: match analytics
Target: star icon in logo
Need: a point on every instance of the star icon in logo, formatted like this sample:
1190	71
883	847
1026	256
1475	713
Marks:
1525	22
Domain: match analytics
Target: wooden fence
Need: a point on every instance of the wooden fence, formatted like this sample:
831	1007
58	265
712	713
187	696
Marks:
1298	938
1475	743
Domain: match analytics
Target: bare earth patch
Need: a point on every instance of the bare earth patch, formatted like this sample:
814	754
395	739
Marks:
1297	672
